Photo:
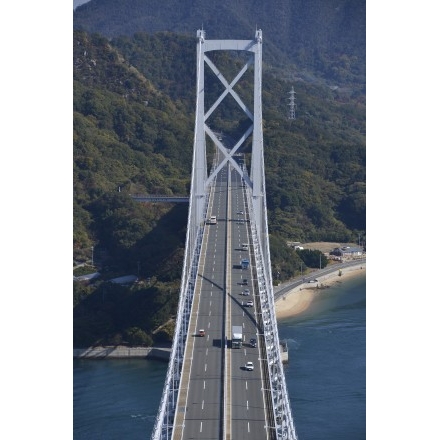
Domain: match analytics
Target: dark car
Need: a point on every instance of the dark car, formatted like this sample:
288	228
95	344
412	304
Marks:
253	343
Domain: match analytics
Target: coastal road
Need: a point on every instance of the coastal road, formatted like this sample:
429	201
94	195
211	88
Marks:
287	287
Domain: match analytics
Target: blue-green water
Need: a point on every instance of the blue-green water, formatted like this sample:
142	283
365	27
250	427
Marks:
326	373
325	376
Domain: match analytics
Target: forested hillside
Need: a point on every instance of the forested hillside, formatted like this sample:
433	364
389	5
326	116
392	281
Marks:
134	103
324	37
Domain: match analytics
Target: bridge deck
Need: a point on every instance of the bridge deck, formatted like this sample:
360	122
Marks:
218	397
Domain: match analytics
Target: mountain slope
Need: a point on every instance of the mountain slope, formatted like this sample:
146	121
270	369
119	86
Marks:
311	34
133	121
133	129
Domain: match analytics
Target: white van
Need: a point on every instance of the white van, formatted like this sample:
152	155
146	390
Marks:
245	246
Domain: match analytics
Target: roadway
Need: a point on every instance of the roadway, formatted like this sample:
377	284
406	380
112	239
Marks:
246	397
223	399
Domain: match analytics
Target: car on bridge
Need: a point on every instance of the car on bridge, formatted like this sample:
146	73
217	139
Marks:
253	342
249	304
246	292
244	282
249	366
240	212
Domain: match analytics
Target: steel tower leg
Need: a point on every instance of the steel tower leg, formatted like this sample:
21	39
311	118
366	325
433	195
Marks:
257	173
198	192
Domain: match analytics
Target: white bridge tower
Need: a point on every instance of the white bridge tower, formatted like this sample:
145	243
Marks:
282	426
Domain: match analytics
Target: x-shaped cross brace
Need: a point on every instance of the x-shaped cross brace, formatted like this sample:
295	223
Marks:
228	89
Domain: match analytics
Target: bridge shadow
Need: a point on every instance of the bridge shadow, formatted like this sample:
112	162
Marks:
217	343
212	282
164	262
104	311
238	301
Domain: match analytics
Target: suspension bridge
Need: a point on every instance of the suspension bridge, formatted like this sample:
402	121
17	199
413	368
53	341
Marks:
225	378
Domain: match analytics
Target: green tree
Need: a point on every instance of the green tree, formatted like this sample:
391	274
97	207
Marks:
137	337
313	258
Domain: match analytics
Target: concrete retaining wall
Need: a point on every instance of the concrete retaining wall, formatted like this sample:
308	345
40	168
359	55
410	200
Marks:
122	352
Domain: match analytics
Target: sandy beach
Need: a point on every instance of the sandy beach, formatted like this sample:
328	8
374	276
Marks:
299	299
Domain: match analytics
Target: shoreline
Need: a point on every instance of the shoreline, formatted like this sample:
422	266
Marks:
292	303
299	299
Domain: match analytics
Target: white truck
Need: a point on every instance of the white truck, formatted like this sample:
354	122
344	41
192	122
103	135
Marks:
237	336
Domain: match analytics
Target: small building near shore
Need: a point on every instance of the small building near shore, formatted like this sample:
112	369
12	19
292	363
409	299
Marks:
347	251
295	245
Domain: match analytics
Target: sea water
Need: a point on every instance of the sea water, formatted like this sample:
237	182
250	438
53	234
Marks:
326	373
116	399
325	377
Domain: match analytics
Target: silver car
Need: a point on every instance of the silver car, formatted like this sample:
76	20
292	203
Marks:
249	366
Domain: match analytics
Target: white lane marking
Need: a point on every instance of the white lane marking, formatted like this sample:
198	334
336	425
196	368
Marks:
206	352
210	313
204	385
209	324
246	384
247	404
201	424
248	428
205	366
203	404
